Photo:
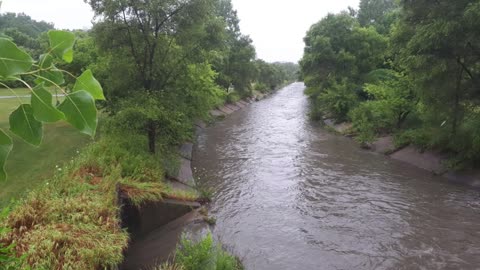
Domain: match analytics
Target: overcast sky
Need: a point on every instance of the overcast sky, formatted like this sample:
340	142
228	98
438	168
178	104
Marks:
277	27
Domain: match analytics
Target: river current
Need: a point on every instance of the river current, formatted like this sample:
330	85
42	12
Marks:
290	195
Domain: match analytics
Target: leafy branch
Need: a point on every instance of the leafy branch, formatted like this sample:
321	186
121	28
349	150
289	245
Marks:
77	109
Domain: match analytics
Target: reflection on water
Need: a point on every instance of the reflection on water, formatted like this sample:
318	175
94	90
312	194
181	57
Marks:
289	195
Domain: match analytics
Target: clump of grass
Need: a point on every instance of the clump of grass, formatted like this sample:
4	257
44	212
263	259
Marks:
140	193
205	194
204	255
168	266
66	225
72	221
210	220
182	195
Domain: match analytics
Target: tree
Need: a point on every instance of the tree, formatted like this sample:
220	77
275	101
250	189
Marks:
391	99
151	47
339	53
439	45
25	32
380	14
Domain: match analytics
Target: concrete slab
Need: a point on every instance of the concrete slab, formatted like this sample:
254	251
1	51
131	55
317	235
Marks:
185	174
216	113
186	150
427	160
340	128
384	145
226	110
143	219
176	185
240	105
232	107
343	127
245	103
160	244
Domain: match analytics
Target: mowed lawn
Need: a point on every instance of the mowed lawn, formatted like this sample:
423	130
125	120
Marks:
29	166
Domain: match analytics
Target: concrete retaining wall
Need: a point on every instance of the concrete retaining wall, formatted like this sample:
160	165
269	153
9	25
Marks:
427	160
229	108
384	145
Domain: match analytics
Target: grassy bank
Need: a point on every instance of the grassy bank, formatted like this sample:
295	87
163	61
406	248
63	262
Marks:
70	220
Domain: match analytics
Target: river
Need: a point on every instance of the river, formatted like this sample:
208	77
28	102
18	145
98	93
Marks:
290	195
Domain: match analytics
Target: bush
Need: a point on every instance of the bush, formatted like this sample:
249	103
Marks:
232	97
390	102
371	118
337	100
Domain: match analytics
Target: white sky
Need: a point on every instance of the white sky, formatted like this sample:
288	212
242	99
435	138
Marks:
277	27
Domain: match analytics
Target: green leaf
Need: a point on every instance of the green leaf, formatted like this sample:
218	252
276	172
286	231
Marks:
6	145
88	83
80	111
61	43
13	61
49	74
24	125
43	109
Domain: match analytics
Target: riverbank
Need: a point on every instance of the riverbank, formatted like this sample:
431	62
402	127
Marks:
156	237
428	160
109	205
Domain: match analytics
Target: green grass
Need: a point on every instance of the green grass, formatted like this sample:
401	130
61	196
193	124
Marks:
204	255
27	165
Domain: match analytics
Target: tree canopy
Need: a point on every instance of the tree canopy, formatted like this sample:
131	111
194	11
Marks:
422	56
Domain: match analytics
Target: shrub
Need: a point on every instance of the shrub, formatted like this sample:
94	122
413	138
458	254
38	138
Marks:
204	255
232	97
338	100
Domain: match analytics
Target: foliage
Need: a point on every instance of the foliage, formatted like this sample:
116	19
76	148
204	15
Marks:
173	74
78	108
25	32
437	43
271	76
337	100
339	53
391	100
70	222
232	97
204	255
75	213
380	14
423	87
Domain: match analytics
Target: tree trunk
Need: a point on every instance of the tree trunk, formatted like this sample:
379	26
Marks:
456	108
152	136
401	119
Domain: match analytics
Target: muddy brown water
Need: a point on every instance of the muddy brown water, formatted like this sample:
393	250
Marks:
289	195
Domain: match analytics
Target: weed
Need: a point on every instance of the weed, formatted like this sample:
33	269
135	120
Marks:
204	255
